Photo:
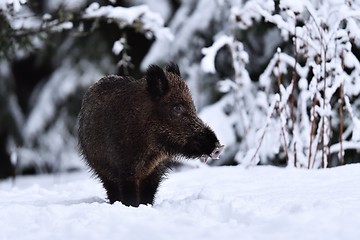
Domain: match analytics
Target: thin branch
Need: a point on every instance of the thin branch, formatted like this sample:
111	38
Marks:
280	110
295	155
341	96
329	132
286	149
346	145
341	160
324	47
273	105
292	98
279	72
312	131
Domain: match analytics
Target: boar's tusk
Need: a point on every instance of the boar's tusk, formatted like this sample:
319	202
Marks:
204	158
215	155
217	151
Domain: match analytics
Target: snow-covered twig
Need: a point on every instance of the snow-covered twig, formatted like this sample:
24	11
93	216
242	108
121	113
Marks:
150	22
270	113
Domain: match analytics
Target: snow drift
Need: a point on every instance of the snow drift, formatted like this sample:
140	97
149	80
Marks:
203	203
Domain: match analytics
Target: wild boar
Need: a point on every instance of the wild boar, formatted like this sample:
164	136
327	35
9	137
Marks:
130	130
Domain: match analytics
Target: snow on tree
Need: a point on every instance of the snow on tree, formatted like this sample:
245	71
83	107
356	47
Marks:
310	104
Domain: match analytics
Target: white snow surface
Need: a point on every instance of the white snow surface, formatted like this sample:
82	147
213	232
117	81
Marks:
202	203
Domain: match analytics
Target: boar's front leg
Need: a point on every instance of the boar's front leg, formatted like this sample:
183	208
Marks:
112	190
150	184
130	192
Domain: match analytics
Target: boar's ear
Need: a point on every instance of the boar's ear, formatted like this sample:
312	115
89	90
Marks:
157	82
173	68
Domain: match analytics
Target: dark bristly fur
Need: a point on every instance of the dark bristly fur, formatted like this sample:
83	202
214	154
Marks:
129	130
173	68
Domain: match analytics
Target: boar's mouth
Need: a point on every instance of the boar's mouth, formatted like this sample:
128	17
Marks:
204	152
215	154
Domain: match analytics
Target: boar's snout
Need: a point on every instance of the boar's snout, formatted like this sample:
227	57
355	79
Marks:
204	144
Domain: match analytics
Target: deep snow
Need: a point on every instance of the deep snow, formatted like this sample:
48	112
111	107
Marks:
203	203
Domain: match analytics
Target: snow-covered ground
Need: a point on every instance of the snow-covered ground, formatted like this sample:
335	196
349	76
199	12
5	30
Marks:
203	203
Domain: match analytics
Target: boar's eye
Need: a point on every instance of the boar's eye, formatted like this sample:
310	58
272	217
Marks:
179	109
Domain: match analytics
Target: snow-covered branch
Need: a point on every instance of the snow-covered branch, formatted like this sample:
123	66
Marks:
323	37
150	22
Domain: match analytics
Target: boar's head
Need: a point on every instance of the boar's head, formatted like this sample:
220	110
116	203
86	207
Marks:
178	128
